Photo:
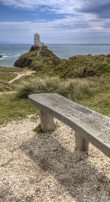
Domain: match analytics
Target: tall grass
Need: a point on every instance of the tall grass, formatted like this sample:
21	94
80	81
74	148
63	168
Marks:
38	85
73	89
93	93
5	86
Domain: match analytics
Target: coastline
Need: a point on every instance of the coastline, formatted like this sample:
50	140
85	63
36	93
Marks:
11	52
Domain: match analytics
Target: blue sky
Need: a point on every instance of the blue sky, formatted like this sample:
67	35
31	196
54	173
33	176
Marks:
57	21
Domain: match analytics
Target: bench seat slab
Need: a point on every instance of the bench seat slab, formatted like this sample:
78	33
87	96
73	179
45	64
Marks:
90	125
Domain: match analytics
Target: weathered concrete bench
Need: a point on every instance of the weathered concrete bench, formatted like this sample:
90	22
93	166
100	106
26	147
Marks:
89	125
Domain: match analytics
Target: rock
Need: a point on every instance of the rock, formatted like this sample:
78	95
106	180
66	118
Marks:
33	48
1	56
23	62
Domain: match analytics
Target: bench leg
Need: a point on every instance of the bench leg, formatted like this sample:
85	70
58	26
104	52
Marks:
81	143
47	123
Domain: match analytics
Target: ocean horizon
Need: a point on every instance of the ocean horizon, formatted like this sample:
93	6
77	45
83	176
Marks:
11	52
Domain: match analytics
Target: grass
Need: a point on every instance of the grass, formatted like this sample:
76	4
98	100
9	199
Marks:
76	66
10	69
8	73
5	86
38	85
99	102
93	92
11	109
38	129
6	76
72	88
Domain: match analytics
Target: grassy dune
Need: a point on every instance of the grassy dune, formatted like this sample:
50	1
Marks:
83	79
76	66
92	92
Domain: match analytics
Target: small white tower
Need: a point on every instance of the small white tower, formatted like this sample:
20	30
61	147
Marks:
37	40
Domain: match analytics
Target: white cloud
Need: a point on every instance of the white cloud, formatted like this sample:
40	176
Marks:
71	9
77	24
58	31
59	6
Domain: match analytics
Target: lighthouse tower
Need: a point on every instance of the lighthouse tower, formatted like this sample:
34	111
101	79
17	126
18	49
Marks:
37	41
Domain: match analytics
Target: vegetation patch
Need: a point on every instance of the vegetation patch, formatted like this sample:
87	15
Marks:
7	76
86	91
83	79
76	66
8	73
4	86
11	109
38	129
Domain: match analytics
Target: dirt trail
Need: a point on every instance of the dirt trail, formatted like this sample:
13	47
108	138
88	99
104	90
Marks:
20	74
38	54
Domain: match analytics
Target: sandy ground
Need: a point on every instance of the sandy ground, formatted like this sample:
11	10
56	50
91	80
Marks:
46	167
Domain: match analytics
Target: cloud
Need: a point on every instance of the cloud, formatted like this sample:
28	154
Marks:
99	8
79	20
76	7
57	6
66	30
84	12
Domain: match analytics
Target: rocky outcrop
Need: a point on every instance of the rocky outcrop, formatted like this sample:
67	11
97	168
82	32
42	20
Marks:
23	62
1	56
33	48
32	60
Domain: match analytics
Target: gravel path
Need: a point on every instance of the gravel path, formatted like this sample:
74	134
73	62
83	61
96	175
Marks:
47	168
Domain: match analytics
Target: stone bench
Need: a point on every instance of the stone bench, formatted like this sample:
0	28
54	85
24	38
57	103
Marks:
89	125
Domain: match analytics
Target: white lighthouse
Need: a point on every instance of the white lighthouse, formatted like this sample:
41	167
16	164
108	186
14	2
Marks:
37	41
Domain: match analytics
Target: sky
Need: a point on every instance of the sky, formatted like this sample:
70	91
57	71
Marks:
57	21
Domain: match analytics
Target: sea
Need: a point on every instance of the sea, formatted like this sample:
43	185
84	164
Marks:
11	52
